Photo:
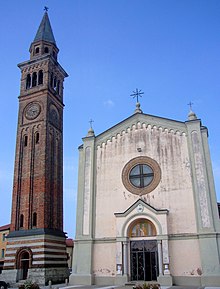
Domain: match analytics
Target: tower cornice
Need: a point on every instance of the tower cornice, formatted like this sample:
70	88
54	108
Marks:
39	60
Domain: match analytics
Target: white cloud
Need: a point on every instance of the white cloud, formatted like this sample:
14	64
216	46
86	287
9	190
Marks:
109	103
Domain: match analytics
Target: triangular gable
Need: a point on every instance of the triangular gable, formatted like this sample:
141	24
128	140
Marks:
140	203
138	121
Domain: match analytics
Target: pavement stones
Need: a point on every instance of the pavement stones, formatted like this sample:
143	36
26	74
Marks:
64	286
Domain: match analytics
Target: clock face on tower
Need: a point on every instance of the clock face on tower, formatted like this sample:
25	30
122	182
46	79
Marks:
32	110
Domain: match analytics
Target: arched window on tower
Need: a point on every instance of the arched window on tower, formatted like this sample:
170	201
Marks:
34	79
51	79
37	138
40	77
55	83
58	87
37	50
54	54
21	225
46	50
25	140
34	219
28	81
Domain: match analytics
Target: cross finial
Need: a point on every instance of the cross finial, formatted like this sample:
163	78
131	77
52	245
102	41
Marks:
190	105
46	8
137	93
91	121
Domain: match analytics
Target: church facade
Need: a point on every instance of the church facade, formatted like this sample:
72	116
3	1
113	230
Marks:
147	206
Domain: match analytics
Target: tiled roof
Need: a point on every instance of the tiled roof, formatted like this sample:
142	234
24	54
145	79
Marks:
44	31
5	227
69	242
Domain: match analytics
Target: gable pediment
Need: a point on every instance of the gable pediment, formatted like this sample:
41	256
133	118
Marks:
139	206
141	121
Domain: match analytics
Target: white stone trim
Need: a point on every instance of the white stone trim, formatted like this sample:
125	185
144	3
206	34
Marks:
8	264
86	198
47	262
36	244
48	250
11	252
47	255
9	258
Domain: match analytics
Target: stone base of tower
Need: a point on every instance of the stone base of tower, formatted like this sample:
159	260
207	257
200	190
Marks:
38	255
41	276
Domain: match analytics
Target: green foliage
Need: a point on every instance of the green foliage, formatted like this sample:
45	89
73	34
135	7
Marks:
147	286
29	285
155	286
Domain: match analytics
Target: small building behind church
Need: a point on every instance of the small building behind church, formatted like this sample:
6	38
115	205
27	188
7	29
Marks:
147	208
69	251
4	231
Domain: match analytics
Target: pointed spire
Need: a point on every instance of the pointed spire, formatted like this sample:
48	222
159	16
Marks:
44	31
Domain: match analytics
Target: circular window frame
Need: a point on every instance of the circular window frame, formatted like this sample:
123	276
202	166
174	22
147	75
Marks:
138	161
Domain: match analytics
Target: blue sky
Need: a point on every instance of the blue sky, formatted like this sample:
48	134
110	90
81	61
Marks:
170	49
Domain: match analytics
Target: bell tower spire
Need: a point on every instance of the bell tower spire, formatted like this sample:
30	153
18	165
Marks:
44	32
36	232
44	41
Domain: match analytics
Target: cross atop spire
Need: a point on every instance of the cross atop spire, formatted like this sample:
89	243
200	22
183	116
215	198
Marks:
46	8
190	105
91	121
137	94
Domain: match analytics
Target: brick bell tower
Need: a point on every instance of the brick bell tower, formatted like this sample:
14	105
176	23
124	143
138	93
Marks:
36	247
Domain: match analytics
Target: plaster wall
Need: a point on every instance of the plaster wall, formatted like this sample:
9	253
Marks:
187	258
104	259
174	191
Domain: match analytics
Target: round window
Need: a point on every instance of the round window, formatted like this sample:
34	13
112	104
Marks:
141	175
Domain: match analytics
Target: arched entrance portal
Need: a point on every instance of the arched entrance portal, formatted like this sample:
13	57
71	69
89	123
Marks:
144	265
23	263
143	251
